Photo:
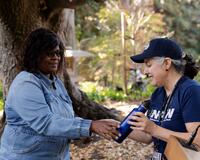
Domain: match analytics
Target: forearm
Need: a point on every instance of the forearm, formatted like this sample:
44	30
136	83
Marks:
140	136
142	123
55	125
164	134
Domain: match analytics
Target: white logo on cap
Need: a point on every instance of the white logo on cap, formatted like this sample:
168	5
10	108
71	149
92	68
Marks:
147	46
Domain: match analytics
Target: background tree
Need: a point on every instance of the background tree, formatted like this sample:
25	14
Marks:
142	24
20	17
182	17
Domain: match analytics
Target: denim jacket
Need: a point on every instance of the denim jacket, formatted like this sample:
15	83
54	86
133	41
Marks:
40	120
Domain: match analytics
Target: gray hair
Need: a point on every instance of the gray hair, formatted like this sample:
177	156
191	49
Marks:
179	65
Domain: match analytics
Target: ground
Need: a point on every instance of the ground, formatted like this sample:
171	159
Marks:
97	148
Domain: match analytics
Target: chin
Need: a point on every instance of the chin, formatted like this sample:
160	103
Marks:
155	84
54	72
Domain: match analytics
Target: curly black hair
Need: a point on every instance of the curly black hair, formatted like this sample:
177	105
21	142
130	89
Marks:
191	67
38	42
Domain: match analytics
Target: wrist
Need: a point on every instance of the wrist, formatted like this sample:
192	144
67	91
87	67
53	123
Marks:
154	130
92	127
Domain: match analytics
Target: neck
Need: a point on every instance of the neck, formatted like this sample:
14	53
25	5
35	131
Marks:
171	82
50	76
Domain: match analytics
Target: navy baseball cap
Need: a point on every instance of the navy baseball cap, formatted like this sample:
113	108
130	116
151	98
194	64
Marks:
159	47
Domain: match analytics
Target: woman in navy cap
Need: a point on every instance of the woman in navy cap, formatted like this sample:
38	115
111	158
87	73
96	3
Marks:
175	104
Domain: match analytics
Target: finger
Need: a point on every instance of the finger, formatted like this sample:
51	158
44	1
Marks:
116	124
135	124
111	129
110	121
130	123
112	132
115	133
113	121
113	136
140	114
136	128
113	124
136	118
107	136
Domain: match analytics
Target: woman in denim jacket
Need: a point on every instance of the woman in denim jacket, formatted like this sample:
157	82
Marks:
39	114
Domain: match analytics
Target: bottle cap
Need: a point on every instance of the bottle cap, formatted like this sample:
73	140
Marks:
146	103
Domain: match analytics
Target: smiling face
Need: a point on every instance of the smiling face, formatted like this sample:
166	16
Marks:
49	62
156	71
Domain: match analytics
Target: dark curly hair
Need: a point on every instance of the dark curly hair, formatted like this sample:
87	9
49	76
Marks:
191	67
39	42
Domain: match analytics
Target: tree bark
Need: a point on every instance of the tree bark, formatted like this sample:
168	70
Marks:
20	17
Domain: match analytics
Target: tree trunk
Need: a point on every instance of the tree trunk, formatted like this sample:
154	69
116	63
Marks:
20	17
123	30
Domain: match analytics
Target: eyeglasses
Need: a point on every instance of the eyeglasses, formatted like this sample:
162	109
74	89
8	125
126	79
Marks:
58	53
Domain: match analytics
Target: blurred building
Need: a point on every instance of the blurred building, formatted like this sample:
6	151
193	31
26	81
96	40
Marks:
72	57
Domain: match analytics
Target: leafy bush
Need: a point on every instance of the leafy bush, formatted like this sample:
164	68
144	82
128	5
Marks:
139	94
100	94
197	78
95	96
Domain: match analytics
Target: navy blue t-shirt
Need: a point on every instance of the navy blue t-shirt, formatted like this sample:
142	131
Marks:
184	107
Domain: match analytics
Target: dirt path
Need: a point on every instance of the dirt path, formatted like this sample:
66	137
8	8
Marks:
97	148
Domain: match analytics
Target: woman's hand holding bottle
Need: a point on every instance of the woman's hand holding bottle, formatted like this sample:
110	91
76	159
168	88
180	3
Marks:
140	122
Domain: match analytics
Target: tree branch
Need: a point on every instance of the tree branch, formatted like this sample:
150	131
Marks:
52	4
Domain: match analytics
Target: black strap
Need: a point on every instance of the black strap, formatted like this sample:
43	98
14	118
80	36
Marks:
166	104
194	133
165	108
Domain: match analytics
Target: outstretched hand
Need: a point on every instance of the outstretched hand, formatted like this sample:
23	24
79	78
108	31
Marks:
105	128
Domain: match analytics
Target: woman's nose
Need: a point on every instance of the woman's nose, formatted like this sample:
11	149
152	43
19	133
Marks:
145	71
55	57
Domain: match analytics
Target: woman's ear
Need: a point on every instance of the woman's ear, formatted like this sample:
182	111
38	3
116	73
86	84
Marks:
167	63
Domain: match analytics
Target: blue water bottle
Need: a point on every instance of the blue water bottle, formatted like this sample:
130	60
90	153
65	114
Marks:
124	128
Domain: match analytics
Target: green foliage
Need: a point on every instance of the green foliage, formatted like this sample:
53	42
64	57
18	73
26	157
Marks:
197	78
1	104
101	94
100	33
182	17
87	22
138	94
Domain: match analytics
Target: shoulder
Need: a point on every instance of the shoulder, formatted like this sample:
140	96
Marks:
190	82
189	93
189	86
25	77
23	84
